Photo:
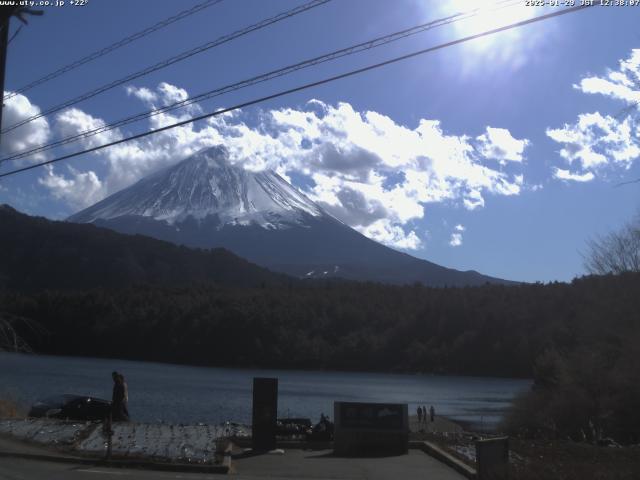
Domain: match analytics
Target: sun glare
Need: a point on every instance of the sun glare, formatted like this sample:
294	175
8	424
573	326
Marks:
488	15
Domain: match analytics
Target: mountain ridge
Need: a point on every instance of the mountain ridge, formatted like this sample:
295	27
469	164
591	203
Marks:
46	254
205	183
205	202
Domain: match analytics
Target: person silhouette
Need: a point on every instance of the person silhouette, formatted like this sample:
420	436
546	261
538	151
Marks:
118	407
125	400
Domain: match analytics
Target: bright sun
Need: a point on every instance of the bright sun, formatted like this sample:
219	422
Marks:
488	15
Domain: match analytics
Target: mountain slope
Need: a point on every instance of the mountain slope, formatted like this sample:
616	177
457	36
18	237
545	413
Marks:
203	185
37	253
206	202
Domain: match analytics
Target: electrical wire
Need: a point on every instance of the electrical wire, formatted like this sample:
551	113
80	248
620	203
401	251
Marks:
170	61
354	49
305	86
114	46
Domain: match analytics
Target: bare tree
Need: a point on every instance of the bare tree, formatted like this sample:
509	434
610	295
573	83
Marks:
615	252
10	339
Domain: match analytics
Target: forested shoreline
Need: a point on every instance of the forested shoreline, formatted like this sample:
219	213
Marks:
579	341
490	330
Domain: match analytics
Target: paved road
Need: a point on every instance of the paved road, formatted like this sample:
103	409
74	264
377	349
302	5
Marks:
19	469
294	464
320	465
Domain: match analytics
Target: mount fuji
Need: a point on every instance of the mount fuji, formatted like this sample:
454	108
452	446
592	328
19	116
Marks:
206	202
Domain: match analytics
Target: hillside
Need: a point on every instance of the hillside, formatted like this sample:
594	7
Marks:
36	253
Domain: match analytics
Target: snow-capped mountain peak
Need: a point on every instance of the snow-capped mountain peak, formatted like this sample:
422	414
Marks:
206	202
207	185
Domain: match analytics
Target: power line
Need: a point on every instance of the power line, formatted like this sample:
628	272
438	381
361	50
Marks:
15	34
177	58
114	46
629	182
368	45
305	87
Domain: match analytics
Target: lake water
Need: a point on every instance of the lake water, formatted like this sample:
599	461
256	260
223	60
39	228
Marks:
186	394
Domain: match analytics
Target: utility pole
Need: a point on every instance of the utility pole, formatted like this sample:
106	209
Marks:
5	21
4	42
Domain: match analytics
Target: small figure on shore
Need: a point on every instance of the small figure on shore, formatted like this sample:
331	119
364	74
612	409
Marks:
432	413
419	414
424	416
119	411
125	403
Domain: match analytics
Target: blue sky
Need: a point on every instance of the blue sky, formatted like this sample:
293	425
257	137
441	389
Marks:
501	155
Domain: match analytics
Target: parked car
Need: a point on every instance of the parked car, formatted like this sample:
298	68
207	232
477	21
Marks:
75	407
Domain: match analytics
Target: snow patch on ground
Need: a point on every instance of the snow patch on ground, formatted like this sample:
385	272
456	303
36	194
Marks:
45	431
176	443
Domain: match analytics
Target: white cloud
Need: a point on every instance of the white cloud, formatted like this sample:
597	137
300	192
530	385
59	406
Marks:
622	84
456	236
561	174
596	143
456	239
165	95
352	160
126	163
617	89
78	190
142	93
171	94
473	200
27	136
369	171
72	121
500	145
385	232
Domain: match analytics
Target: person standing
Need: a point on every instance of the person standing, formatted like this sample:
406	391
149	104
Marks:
125	401
424	411
419	414
432	413
118	398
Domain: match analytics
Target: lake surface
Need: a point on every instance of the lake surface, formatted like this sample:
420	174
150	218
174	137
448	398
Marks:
188	395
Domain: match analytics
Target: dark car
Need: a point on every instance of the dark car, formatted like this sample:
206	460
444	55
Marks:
75	407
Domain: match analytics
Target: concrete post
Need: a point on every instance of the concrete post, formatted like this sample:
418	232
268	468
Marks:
492	458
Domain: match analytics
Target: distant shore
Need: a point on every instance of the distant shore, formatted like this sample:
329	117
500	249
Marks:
440	425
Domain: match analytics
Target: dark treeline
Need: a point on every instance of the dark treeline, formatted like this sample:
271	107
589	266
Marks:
37	253
490	330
